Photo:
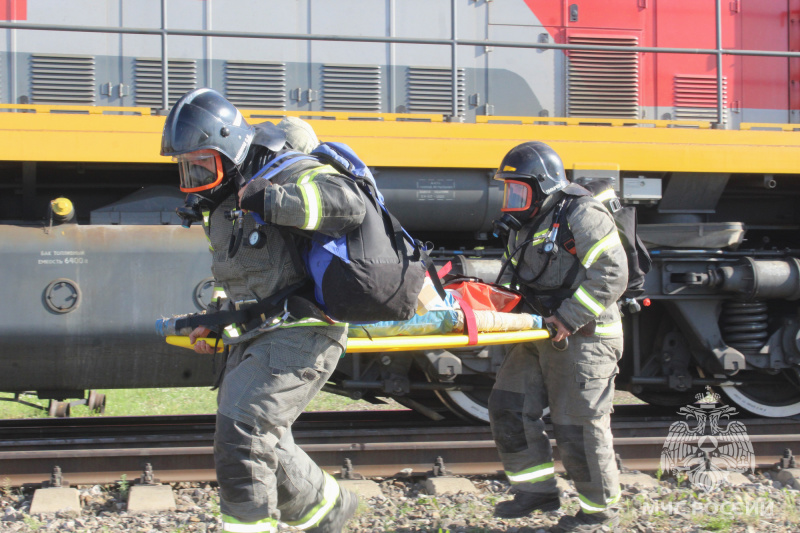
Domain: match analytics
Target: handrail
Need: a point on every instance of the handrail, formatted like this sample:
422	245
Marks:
453	42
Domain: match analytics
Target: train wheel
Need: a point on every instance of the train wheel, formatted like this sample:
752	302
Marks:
58	409
774	400
472	405
97	402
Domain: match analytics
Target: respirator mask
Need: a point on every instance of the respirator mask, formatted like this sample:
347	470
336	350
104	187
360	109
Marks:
520	202
192	210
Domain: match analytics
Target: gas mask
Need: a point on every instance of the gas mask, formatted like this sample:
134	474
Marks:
521	201
192	210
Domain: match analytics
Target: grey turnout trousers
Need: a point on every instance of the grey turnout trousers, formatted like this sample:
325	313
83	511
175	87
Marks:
578	384
268	383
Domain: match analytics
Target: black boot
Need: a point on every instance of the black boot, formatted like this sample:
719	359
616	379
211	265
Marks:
587	522
524	503
342	511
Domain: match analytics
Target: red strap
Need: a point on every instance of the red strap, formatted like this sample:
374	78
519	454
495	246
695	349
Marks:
469	319
445	269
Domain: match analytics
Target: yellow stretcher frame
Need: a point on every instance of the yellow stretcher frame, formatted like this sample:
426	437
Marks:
411	343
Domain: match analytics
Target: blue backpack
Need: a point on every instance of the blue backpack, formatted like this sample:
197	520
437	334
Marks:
375	272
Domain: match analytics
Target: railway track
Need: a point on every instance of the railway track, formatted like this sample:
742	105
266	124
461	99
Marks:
376	443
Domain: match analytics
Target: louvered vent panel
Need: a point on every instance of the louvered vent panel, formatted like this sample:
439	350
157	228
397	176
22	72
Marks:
256	85
601	83
430	90
351	88
696	98
147	80
60	79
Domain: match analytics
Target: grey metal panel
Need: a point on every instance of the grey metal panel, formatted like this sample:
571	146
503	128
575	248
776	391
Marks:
147	80
513	75
256	85
128	277
430	90
351	87
512	13
603	84
424	18
696	97
62	79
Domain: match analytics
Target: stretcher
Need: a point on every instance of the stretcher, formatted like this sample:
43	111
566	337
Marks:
410	342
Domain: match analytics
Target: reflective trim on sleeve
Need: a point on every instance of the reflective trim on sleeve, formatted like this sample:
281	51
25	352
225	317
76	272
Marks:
329	496
609	241
311	197
206	217
605	195
533	474
613	329
588	301
267	525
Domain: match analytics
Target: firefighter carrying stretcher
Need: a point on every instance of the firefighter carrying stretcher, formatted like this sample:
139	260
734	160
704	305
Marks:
565	255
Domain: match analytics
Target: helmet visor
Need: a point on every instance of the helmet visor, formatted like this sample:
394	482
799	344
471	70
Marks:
199	171
517	196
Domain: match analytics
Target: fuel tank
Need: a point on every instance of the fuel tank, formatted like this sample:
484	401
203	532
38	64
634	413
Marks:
80	303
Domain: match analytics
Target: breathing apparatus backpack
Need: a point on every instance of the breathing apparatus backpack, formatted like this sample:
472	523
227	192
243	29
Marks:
625	219
373	273
639	261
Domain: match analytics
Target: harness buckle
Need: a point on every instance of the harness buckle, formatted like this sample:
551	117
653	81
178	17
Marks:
281	318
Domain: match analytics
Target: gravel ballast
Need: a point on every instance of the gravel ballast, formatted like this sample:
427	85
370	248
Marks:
763	504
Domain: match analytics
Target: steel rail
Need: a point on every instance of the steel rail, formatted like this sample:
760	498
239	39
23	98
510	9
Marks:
410	449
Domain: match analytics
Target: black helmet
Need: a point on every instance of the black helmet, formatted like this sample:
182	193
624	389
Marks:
537	162
204	120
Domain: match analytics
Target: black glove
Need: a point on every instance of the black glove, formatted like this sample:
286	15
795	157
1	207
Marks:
253	197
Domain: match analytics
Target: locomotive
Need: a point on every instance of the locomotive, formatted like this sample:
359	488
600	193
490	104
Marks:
688	107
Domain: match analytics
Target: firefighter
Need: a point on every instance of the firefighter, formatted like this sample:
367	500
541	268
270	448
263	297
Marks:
565	255
283	352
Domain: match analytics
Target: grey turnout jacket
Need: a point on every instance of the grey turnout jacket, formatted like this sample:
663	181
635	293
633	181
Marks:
306	195
602	268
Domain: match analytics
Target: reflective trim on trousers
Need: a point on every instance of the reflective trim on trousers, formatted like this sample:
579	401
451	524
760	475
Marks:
329	496
589	506
267	525
533	474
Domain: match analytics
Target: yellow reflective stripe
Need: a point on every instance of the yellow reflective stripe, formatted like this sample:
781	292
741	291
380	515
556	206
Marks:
606	195
309	323
329	496
311	197
206	217
218	294
588	301
536	473
535	236
232	331
612	329
267	525
589	506
610	240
